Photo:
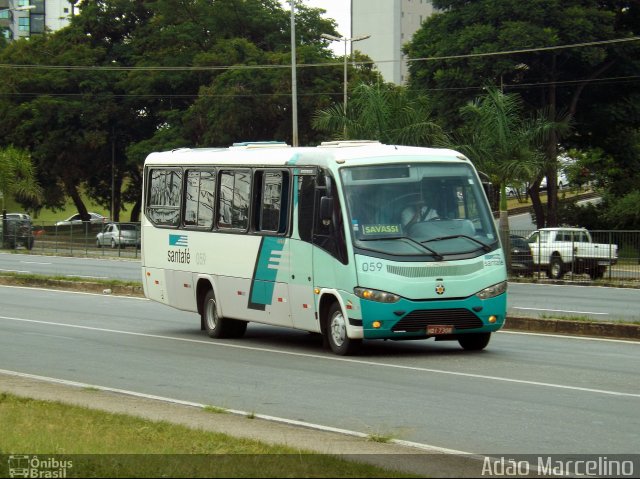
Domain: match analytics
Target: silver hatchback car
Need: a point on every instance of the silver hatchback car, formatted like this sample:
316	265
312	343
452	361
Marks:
119	235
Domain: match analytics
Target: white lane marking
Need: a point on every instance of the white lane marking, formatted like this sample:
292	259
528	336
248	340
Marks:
567	336
34	262
553	285
293	422
15	271
330	358
559	310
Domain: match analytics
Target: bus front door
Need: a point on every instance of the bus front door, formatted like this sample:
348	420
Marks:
301	296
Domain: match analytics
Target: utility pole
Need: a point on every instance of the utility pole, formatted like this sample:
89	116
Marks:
294	82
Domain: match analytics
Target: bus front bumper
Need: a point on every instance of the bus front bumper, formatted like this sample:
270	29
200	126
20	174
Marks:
409	319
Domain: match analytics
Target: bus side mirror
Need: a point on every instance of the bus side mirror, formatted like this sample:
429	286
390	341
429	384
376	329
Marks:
326	208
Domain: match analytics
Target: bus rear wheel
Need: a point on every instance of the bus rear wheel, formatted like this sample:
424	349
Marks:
474	342
217	327
336	333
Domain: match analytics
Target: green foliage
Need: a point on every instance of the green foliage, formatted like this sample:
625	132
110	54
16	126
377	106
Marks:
580	81
588	216
383	112
612	213
126	78
624	211
18	175
501	140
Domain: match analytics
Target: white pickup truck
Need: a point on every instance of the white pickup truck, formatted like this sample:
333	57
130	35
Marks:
559	250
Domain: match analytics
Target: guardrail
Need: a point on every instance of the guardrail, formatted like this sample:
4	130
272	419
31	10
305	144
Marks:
75	239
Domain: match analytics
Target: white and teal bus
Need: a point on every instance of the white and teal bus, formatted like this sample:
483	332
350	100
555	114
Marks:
319	239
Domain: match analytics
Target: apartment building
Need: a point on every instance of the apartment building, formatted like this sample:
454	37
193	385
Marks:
390	24
24	18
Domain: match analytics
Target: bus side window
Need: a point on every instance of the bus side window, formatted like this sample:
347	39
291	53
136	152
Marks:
163	196
233	200
272	201
330	235
198	201
306	190
192	184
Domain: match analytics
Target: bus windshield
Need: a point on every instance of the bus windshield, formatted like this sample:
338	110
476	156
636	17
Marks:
428	210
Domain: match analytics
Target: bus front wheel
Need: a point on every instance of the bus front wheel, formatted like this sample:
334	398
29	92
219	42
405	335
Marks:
217	327
474	342
336	333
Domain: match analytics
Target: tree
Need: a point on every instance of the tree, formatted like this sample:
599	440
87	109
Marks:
503	143
58	115
465	36
384	112
243	89
126	76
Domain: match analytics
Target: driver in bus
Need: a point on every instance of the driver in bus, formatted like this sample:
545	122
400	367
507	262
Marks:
417	212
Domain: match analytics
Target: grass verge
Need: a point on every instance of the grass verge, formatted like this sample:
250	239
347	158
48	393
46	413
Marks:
117	445
114	286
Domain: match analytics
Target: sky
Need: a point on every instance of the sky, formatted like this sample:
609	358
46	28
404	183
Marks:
339	10
336	9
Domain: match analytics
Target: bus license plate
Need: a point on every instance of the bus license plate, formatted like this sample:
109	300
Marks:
437	329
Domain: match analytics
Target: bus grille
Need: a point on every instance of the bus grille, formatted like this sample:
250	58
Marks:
420	319
435	271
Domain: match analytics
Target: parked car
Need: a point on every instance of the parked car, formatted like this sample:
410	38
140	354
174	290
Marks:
77	220
19	230
563	181
119	235
516	191
562	249
521	257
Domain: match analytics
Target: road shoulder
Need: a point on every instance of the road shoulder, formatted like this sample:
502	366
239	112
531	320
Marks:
398	456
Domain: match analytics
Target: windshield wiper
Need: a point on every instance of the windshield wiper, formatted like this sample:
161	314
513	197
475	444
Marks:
433	252
484	246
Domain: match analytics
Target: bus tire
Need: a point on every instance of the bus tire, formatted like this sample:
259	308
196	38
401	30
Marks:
237	328
336	333
474	342
214	325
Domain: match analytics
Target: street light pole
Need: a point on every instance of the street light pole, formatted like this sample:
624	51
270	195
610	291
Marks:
294	82
345	40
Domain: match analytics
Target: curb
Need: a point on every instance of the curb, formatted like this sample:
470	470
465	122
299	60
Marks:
576	328
69	285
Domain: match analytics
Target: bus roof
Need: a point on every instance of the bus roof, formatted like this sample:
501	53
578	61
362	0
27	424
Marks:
329	154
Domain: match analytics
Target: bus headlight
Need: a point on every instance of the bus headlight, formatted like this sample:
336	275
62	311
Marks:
492	291
375	295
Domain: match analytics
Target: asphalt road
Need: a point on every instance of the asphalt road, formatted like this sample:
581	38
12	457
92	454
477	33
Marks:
524	394
89	268
525	299
597	303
